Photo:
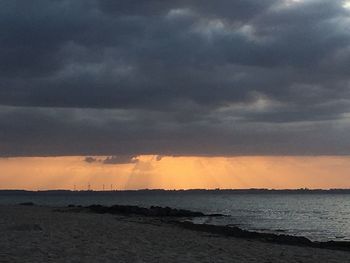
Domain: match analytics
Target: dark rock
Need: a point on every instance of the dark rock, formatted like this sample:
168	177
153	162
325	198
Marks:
266	237
344	245
291	240
216	215
155	211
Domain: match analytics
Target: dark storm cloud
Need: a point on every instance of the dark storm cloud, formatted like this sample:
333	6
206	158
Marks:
174	77
90	159
32	132
159	158
121	159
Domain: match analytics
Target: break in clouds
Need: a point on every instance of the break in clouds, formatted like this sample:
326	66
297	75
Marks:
185	77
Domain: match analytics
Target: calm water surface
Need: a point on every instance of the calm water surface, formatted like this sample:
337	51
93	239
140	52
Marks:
316	216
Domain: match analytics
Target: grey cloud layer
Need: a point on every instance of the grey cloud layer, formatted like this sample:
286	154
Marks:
174	77
122	159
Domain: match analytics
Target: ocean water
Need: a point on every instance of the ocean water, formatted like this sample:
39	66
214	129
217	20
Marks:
319	217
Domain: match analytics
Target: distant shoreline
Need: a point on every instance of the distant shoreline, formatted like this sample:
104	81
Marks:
194	191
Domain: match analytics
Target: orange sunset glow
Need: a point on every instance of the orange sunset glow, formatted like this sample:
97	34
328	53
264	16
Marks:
41	173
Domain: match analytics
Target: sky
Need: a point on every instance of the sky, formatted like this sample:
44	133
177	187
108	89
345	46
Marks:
166	172
101	85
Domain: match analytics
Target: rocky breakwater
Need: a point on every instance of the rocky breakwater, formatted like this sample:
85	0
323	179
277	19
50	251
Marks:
265	237
175	217
153	211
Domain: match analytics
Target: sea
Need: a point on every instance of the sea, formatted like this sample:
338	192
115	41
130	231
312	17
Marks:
319	216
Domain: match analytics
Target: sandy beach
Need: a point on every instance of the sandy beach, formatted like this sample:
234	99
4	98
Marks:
43	234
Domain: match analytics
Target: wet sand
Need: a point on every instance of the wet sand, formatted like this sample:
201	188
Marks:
41	234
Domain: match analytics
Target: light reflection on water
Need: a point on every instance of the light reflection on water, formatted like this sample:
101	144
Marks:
316	216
